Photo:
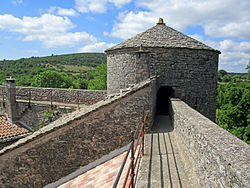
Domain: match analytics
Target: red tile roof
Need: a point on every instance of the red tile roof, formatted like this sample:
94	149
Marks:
102	176
10	131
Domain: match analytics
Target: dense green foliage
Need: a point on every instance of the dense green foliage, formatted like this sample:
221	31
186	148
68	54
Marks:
233	104
100	78
52	79
75	70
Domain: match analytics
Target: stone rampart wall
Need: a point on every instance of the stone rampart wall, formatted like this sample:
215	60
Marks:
74	96
221	159
74	140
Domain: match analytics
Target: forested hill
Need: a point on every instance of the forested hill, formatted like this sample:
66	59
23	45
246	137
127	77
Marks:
24	70
83	59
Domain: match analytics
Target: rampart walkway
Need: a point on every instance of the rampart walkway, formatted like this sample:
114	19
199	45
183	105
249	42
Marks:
164	164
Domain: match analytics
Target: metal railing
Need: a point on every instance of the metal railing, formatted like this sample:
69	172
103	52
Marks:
136	151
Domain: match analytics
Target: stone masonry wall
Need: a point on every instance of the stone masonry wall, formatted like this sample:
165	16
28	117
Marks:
126	67
33	116
58	94
220	159
61	95
74	140
191	73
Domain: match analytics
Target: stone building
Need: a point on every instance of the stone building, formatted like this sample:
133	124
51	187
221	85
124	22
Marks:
185	68
85	147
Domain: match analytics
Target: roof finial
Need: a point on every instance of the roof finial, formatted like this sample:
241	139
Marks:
161	21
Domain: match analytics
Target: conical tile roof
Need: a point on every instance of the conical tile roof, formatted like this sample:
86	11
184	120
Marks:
162	36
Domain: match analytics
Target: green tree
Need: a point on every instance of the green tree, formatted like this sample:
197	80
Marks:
233	108
52	79
221	74
226	78
248	70
99	82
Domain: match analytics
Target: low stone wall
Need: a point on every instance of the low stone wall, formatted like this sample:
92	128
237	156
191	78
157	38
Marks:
33	116
61	95
74	140
221	159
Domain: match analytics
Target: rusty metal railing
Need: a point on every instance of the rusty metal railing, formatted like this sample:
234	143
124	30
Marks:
136	151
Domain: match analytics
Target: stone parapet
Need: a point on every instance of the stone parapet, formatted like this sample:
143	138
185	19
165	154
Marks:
75	139
60	95
220	158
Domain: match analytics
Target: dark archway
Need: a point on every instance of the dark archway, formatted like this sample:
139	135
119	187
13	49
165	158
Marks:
162	100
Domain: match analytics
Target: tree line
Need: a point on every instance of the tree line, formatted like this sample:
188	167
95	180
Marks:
97	80
73	70
233	104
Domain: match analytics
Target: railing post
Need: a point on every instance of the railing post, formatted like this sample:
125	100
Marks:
142	149
132	161
3	99
29	97
143	111
143	126
78	100
51	98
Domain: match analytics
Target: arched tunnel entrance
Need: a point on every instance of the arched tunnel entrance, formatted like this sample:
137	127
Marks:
162	100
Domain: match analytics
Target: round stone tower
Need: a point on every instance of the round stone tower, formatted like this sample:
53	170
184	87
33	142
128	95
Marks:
185	68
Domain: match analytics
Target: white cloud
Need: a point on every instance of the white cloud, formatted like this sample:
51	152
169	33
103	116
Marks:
35	25
234	56
17	2
96	47
128	27
226	19
62	39
97	6
219	18
120	3
42	29
239	30
62	11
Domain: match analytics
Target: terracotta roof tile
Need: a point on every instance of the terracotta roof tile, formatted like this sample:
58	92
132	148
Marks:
10	131
103	175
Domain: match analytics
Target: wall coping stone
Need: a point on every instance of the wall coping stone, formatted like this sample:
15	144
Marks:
229	149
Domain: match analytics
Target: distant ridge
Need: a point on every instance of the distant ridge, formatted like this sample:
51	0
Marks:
25	69
83	59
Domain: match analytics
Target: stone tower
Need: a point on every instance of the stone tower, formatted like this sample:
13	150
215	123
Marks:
185	68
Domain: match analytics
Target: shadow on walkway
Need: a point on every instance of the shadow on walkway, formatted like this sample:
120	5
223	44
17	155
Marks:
161	163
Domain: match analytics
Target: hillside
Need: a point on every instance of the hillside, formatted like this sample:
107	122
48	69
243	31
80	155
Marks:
24	70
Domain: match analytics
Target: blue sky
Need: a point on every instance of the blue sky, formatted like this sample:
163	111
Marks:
41	28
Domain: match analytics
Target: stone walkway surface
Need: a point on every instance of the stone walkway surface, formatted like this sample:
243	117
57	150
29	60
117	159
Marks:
164	164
